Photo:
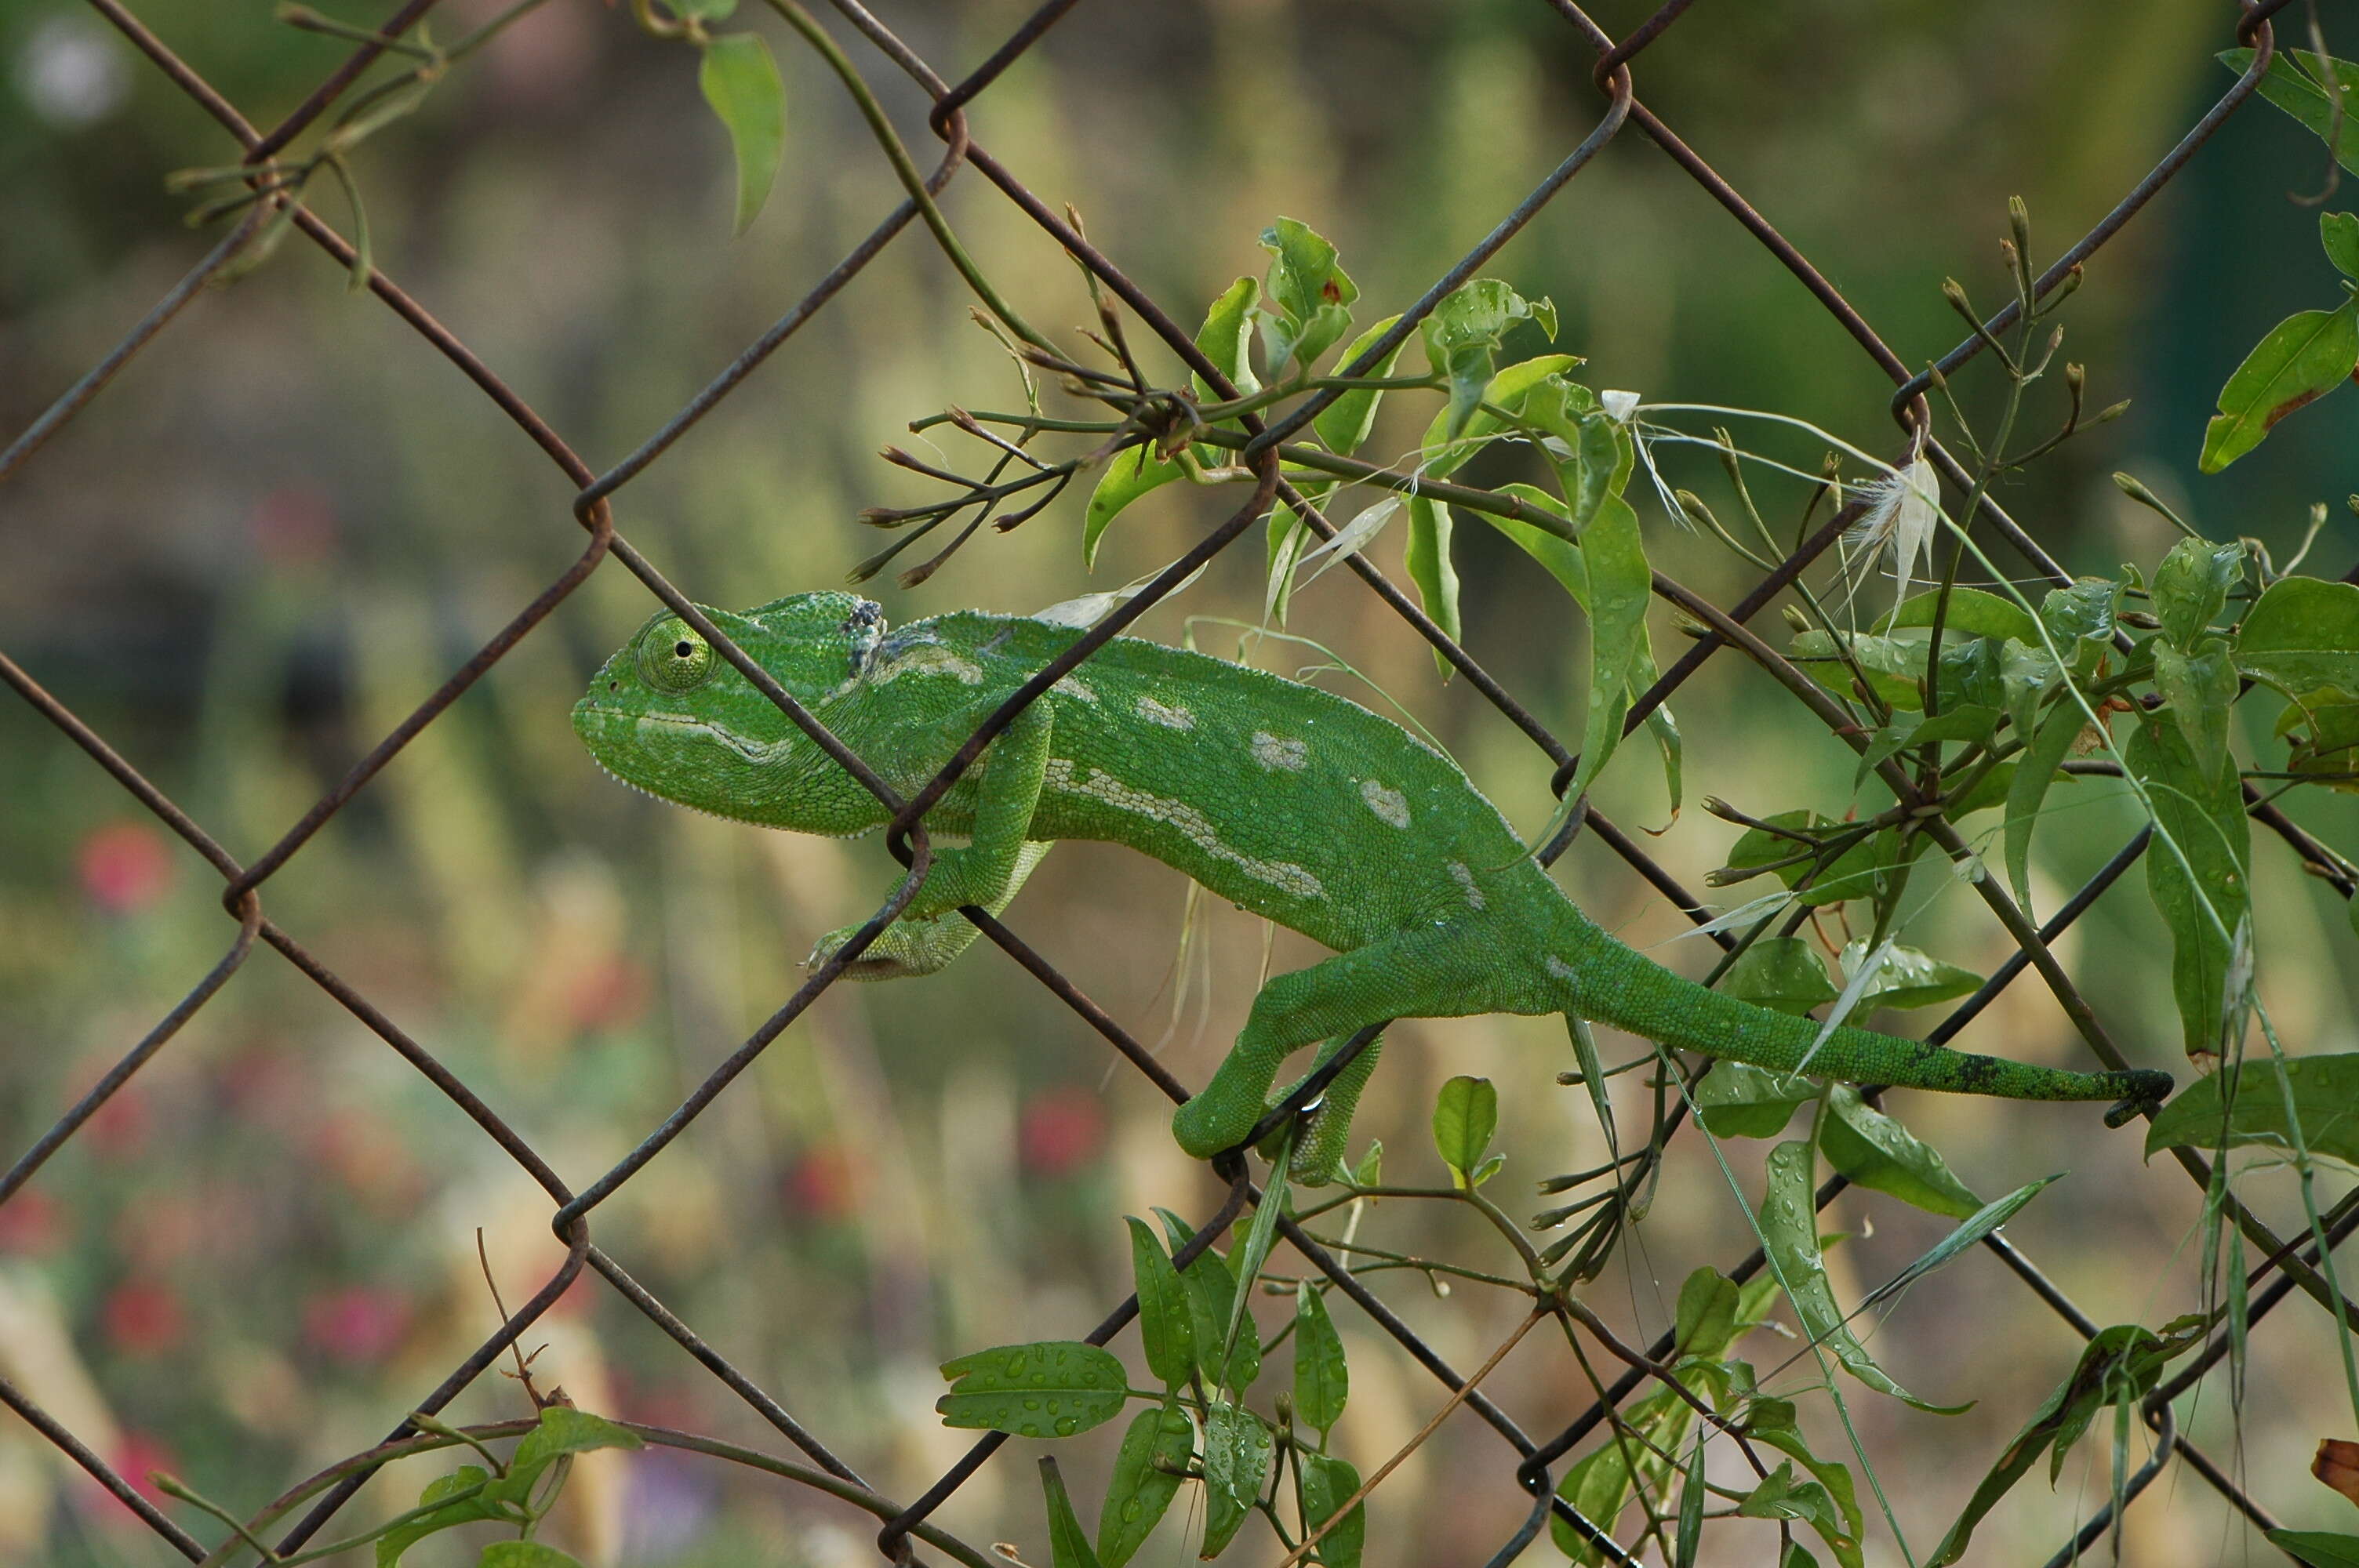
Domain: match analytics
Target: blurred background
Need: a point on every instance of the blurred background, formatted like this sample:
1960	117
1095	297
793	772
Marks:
288	521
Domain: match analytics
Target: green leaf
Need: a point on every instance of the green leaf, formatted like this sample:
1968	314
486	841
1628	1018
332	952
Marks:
2339	232
2191	587
2302	359
1789	1231
1155	1449
741	82
1462	336
1068	1547
1051	1387
1465	1114
1784	974
1343	424
1321	1380
1486	1170
2080	620
2027	787
1894	666
2317	1548
461	1493
1690	1537
1778	1496
1738	1101
2292	84
1982	1223
1621	585
1706	1321
525	1554
564	1430
1431	570
2204	814
1212	1302
1327	1481
2303	633
1226	337
1313	295
2326	1093
1839	1526
1875	1150
1129	474
1972	612
2199	688
1863	870
2121	1364
1598	1485
1236	1465
1370	1170
2322	727
1163	1315
1907	977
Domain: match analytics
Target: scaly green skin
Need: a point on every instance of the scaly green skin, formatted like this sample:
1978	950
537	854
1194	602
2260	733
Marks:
1285	799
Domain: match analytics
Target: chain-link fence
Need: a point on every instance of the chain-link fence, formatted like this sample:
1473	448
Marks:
1531	1459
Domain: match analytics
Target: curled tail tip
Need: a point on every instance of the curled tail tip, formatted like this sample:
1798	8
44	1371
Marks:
2143	1090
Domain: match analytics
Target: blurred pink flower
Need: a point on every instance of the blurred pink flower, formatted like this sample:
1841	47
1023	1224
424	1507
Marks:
1061	1131
294	525
125	866
137	1457
611	995
358	1325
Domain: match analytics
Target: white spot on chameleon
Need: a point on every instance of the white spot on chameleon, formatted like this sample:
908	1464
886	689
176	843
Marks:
1562	969
1271	752
1171	716
926	659
1388	804
1075	687
1465	878
1190	823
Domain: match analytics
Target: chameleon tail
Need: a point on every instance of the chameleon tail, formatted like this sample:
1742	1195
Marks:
1610	984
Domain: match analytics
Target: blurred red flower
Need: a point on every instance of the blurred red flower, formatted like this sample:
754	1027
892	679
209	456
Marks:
1061	1131
818	1184
143	1318
358	1325
125	866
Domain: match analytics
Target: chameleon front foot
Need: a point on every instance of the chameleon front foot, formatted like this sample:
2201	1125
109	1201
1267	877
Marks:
1226	1112
907	947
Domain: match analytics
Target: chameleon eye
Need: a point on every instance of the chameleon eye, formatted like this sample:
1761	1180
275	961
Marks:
674	658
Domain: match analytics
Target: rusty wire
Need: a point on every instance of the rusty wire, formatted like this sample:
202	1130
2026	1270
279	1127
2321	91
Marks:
2286	1265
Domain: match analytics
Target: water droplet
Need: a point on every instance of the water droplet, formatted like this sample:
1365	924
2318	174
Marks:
1014	1365
1067	1426
1130	1511
1031	1404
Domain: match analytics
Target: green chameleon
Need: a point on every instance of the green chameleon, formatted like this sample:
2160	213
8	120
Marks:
1292	802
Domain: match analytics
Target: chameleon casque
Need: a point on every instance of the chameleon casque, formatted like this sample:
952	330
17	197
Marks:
1290	801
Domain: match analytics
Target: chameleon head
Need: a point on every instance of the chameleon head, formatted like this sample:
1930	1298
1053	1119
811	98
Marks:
668	715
